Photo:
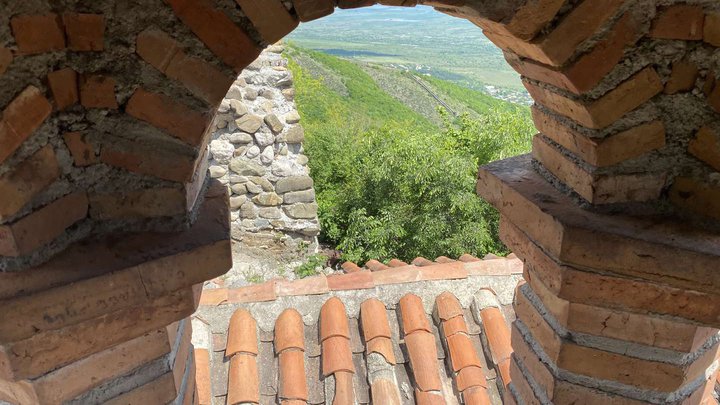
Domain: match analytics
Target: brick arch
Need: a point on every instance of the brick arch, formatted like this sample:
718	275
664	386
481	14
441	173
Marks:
106	109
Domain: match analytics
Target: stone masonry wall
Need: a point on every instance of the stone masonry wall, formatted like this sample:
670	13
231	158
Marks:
256	150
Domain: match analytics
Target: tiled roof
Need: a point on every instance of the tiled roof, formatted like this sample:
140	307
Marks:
433	333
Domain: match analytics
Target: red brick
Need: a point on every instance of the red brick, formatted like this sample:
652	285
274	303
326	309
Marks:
711	31
20	392
628	245
19	186
155	162
85	32
157	48
558	46
97	91
155	202
64	87
604	111
225	39
682	78
345	4
597	189
200	77
71	381
82	151
533	17
606	151
38	33
47	350
6	58
696	196
706	147
679	22
158	391
21	118
308	10
45	224
270	17
168	115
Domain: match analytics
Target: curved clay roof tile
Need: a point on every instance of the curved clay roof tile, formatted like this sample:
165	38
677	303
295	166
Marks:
462	352
382	346
470	377
396	263
497	333
243	380
413	314
424	360
476	396
373	317
448	306
421	261
384	392
289	331
443	259
336	355
453	326
333	319
242	334
466	258
344	392
293	382
375	265
428	398
350	267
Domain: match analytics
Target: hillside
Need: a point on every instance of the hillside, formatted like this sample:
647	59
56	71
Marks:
394	174
377	93
418	39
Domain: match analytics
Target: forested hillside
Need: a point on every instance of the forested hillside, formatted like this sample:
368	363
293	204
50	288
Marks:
394	157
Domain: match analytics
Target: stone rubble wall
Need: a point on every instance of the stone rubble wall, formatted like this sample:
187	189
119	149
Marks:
257	151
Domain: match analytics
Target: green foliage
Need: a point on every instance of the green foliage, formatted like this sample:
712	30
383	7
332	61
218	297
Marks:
308	268
400	188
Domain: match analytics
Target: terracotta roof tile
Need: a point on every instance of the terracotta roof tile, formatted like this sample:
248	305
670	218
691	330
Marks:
444	271
213	296
344	393
428	398
202	376
375	265
466	258
385	392
462	352
448	306
443	259
504	368
470	377
374	319
396	263
289	331
350	267
421	261
254	293
293	402
243	380
293	383
413	314
384	347
333	320
242	334
351	281
476	396
336	355
423	360
307	286
497	333
491	256
399	275
453	326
